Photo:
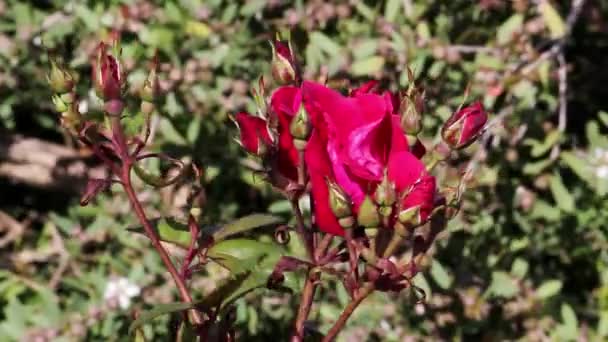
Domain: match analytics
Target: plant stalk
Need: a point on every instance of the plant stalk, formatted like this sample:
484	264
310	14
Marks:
348	311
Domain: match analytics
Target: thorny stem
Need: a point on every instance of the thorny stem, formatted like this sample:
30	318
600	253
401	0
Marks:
125	176
363	293
321	249
308	294
301	169
305	235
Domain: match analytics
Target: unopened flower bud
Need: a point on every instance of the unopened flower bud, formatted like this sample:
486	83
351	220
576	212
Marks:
339	202
255	136
60	105
107	75
410	217
60	80
411	109
385	196
151	89
368	216
464	126
71	118
283	66
300	128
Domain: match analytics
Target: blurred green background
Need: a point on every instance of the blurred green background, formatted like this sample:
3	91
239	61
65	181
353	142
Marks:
527	257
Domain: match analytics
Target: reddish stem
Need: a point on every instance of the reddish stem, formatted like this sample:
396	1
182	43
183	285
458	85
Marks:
125	176
348	311
308	294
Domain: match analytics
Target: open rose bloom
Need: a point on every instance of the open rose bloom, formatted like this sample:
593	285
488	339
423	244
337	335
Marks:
357	142
371	180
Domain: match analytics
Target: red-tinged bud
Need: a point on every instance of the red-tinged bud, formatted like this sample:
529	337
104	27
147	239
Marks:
464	126
283	68
107	75
341	205
300	128
417	202
368	216
255	137
60	80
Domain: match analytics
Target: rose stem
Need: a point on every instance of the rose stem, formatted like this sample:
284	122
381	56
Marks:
125	176
363	293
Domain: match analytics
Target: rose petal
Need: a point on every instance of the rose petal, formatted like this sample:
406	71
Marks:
409	174
285	102
252	129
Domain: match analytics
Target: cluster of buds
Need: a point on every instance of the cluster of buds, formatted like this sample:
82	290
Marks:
362	161
64	98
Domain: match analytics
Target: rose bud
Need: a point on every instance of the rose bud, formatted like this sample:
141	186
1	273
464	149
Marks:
255	137
60	80
151	87
340	205
464	126
283	67
300	128
107	75
411	109
368	214
385	196
418	202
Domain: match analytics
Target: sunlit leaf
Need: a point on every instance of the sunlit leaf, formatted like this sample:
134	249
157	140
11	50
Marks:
158	310
549	289
241	225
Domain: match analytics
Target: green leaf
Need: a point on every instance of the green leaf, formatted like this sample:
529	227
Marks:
441	275
508	28
539	149
252	262
602	325
534	168
169	230
595	137
233	264
158	310
502	285
552	19
367	66
245	249
545	211
365	11
519	268
242	225
391	11
603	116
577	164
549	289
570	322
253	7
325	44
562	196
